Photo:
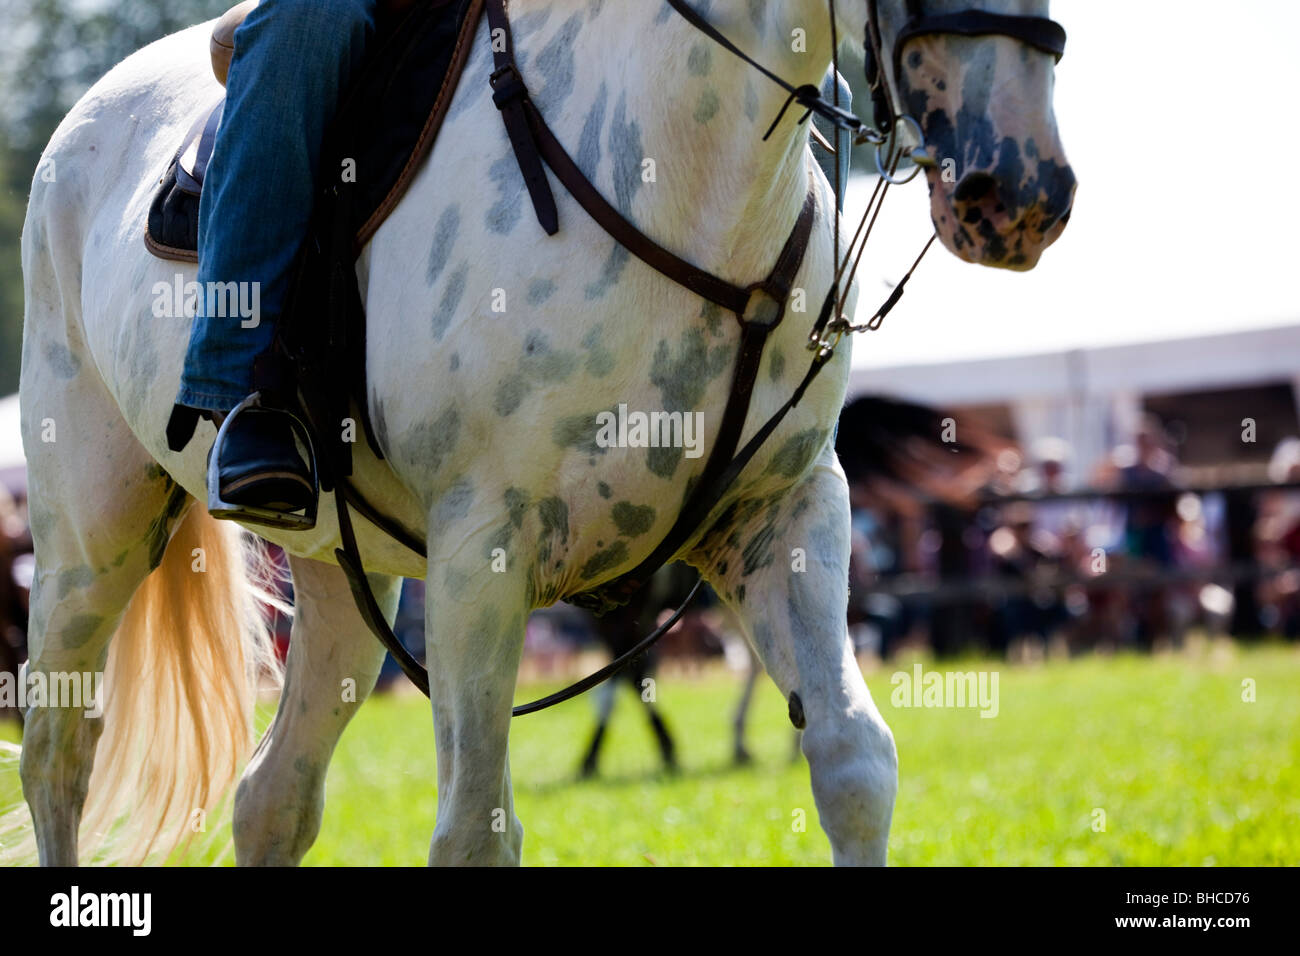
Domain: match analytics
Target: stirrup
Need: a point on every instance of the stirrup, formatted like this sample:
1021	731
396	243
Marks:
289	521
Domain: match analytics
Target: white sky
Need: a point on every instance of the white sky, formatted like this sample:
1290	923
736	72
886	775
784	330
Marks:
1180	119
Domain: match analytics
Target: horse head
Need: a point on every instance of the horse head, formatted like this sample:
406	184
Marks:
979	84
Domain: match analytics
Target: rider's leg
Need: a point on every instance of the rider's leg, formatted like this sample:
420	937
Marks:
291	63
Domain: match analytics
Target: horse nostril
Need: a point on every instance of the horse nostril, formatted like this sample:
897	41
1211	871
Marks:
974	187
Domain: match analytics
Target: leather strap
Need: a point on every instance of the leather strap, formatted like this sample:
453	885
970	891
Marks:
511	97
1038	32
718	473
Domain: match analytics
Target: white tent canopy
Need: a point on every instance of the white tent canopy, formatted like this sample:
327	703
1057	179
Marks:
1172	115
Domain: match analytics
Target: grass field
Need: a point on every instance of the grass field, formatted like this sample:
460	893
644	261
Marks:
1186	772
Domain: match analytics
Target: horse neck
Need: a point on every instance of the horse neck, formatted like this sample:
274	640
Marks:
721	196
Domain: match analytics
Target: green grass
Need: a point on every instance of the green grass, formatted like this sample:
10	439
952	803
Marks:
1185	771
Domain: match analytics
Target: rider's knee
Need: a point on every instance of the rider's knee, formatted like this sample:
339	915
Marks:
316	23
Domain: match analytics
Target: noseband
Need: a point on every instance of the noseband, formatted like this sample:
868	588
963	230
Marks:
1041	33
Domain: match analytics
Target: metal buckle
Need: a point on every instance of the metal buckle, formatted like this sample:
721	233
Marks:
218	507
505	93
917	154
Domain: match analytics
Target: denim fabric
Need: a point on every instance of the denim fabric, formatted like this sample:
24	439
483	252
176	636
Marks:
292	62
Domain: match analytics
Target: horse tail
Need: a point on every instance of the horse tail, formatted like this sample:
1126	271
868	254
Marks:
181	688
179	696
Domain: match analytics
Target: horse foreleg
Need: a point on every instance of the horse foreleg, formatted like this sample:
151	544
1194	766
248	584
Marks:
333	663
474	635
784	571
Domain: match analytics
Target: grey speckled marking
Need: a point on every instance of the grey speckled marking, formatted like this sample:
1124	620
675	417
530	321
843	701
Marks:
683	377
444	239
455	504
542	363
75	579
61	361
430	444
516	506
603	489
700	60
609	273
776	368
450	302
539	290
707	106
758	17
796	453
554	515
510	395
627	152
711	313
454	364
682	380
579	431
588	157
504	214
602	561
555	63
633	520
79	630
751	102
600	360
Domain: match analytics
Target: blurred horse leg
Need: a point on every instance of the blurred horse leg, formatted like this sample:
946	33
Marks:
739	753
604	707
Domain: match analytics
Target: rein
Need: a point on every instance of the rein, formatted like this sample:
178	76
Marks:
758	308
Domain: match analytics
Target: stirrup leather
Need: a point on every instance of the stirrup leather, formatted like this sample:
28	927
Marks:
220	508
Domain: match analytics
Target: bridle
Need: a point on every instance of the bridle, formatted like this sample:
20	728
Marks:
1041	33
759	308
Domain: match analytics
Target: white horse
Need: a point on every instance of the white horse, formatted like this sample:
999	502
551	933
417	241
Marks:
486	417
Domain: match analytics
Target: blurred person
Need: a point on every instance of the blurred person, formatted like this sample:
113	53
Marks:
1150	519
15	540
1278	542
1034	610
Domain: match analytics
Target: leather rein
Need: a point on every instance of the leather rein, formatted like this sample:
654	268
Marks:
758	308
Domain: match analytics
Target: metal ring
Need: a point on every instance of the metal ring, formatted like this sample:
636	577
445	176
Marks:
893	138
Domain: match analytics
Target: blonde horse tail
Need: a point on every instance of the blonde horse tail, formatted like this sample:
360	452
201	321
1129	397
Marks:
180	691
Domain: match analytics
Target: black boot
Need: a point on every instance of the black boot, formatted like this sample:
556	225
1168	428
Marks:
260	474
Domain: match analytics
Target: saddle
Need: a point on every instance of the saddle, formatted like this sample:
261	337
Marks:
387	122
385	128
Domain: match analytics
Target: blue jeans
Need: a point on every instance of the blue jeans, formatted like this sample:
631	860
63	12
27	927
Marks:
292	62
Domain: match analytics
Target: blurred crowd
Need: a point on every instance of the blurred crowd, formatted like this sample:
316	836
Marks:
1135	560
